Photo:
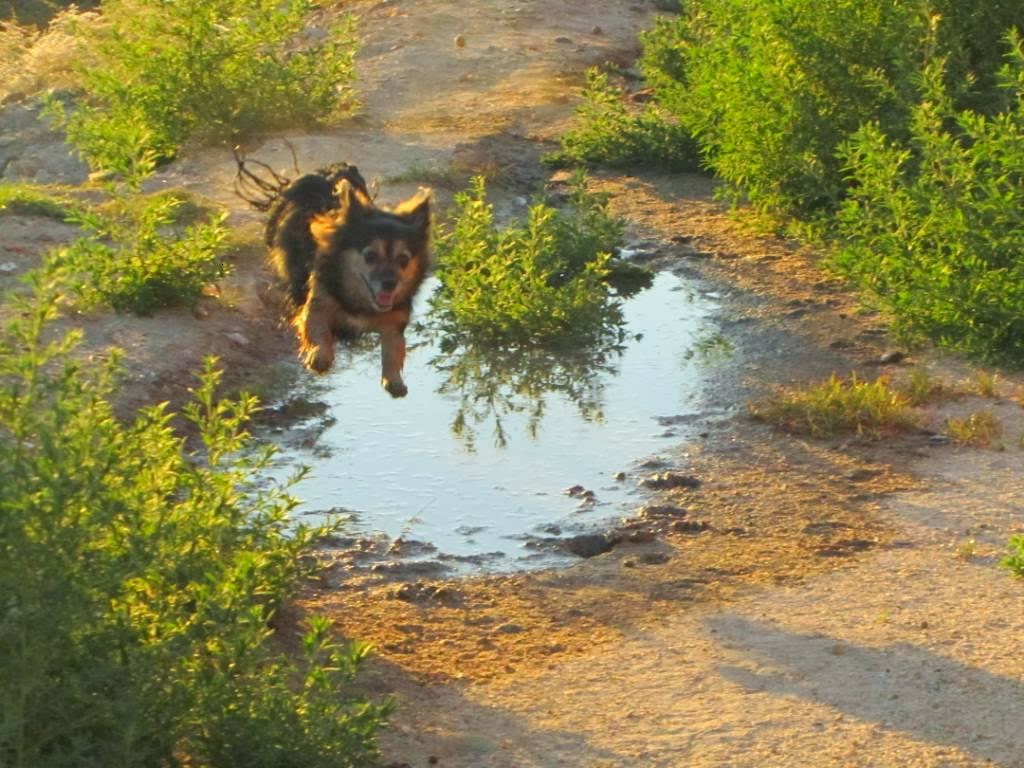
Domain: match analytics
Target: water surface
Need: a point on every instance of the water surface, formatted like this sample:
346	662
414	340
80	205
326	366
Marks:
478	457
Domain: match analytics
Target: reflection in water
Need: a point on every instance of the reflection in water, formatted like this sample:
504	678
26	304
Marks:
557	420
491	384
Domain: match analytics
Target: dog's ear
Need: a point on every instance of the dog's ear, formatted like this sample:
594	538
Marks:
416	209
322	228
353	202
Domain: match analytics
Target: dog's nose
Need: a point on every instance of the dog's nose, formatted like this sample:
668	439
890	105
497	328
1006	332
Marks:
389	284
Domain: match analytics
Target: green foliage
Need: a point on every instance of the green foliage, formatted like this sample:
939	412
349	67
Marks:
140	573
607	132
934	226
1015	560
134	261
771	89
160	73
542	282
29	200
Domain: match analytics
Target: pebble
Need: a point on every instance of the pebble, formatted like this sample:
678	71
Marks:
894	356
671	480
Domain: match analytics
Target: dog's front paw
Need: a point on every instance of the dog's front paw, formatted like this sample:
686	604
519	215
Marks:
318	359
395	388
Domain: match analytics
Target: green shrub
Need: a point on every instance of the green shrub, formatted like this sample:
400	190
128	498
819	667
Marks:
1015	560
160	73
140	573
934	226
770	90
606	132
542	282
134	261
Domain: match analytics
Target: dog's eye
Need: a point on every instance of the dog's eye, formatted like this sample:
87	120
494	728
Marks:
370	256
403	259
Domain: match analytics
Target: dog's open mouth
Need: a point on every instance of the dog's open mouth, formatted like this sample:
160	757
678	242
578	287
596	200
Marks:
384	299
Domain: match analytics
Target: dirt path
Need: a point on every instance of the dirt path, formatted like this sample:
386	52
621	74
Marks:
810	604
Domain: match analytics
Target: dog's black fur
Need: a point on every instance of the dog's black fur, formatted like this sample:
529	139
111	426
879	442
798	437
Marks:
287	233
348	266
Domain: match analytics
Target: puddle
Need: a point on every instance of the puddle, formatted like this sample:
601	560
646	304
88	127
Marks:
479	458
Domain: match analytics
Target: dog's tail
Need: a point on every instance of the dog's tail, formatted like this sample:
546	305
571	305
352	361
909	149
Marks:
262	192
259	191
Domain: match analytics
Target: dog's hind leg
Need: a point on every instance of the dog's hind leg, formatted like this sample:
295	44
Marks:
392	358
314	324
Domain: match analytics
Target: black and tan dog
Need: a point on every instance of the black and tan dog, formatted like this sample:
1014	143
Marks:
349	266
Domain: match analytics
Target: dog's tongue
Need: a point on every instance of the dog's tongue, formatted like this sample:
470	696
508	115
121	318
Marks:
385	298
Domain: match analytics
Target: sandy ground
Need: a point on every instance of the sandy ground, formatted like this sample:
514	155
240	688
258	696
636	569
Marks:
811	603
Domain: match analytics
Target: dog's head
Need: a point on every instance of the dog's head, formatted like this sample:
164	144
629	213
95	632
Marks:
374	258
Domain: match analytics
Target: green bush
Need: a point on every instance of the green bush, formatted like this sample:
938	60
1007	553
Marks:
1015	560
140	573
934	226
160	73
606	132
770	90
542	282
133	259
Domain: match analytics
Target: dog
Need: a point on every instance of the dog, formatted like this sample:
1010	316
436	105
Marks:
348	266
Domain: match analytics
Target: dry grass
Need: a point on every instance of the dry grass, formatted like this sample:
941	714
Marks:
839	406
980	429
32	61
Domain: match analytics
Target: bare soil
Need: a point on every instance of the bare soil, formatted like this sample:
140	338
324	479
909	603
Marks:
812	603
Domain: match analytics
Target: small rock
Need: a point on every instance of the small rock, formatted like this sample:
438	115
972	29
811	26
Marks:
690	526
563	39
654	558
894	356
8	267
860	475
596	30
640	537
666	480
587	545
238	339
508	628
620	477
661	510
460	41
